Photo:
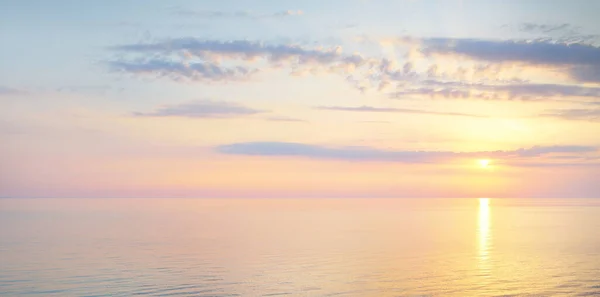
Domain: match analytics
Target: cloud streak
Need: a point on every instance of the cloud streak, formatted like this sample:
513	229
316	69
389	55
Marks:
213	60
236	49
580	59
9	91
365	108
513	91
284	119
178	71
366	154
542	28
240	14
204	60
592	115
560	32
201	109
535	52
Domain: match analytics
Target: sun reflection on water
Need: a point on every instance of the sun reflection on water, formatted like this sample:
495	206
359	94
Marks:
484	234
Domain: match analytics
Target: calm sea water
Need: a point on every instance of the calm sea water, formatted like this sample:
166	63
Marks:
299	247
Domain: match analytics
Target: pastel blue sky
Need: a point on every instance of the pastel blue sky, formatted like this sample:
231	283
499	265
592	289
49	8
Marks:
299	98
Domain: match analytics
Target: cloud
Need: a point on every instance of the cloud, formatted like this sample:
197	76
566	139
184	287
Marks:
365	108
574	114
240	14
201	109
545	90
236	49
10	128
586	73
542	28
178	71
375	122
580	59
544	150
101	89
9	91
278	149
540	52
444	92
284	119
237	60
564	32
520	91
204	60
288	13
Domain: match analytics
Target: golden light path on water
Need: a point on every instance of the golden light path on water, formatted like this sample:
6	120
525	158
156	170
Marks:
483	230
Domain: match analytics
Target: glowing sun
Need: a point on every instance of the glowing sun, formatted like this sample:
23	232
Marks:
484	163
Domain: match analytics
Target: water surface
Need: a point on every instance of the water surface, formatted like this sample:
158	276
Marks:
299	247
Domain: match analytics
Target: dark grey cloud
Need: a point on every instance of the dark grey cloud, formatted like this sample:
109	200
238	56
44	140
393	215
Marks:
582	60
179	70
574	114
201	109
365	108
275	149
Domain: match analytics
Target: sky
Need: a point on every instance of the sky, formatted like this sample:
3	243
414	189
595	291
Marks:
353	98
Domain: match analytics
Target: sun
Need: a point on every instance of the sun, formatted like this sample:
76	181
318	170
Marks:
484	202
484	163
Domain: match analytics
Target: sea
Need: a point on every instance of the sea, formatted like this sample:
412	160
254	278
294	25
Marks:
300	247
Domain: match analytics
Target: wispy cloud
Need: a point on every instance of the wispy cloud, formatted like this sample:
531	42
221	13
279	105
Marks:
284	119
533	51
9	91
543	28
235	60
102	89
201	109
201	71
239	14
512	91
574	114
375	122
563	32
580	59
365	108
204	58
274	149
10	128
235	49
